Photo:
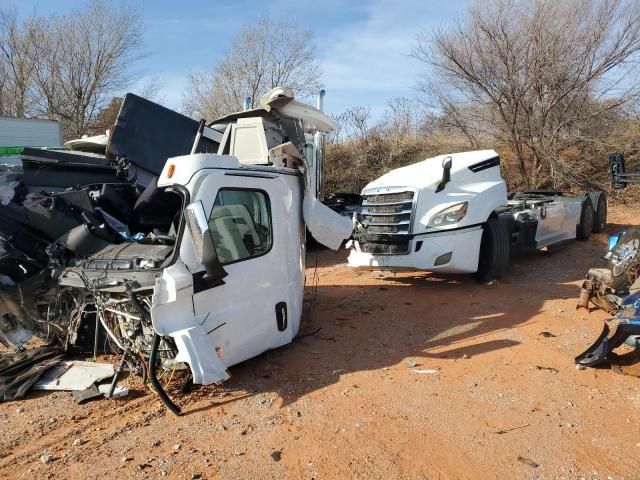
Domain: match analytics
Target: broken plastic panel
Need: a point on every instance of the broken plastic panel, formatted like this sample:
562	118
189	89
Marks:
74	375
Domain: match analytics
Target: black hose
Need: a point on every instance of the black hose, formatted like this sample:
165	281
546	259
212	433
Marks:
154	380
138	306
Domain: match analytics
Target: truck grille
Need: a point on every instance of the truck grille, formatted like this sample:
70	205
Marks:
386	218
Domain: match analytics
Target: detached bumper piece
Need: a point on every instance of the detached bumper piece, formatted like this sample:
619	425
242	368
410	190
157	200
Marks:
20	371
615	332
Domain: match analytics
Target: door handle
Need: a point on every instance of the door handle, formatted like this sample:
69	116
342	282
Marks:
281	316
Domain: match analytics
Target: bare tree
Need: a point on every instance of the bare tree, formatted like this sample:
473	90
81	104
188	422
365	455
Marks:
68	67
352	124
82	59
264	55
105	119
16	65
151	89
535	75
402	118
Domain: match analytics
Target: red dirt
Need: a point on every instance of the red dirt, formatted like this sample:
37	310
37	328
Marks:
344	402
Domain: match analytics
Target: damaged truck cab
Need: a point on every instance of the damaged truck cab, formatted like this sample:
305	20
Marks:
218	275
236	288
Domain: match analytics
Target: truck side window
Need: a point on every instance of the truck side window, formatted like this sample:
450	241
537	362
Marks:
240	223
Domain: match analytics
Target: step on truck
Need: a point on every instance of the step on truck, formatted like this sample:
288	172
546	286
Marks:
194	262
453	214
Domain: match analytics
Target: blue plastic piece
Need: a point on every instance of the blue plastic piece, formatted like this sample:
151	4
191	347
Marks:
613	239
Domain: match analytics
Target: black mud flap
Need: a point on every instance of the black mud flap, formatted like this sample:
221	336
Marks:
614	333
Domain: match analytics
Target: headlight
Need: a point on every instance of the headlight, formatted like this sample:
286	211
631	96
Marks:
449	215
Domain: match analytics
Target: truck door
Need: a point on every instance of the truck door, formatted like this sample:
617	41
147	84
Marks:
257	242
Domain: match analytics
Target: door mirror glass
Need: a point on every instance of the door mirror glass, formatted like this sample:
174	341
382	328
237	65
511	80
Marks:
197	224
196	221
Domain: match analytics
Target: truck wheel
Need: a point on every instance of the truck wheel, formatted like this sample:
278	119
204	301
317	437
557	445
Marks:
599	201
585	227
495	249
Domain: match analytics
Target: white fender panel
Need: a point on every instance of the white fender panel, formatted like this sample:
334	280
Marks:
196	349
172	307
172	315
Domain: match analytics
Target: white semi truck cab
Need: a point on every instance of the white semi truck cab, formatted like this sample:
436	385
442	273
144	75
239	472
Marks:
453	214
215	274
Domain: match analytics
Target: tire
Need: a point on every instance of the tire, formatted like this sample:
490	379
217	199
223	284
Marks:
599	200
623	255
495	249
585	227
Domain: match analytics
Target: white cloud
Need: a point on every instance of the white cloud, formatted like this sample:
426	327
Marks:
365	59
369	62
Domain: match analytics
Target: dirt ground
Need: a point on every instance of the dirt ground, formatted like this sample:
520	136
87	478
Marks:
347	401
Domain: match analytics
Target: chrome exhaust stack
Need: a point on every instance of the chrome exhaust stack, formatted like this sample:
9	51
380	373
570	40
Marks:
319	141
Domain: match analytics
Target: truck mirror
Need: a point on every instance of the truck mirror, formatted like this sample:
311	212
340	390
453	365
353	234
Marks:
196	220
446	173
617	170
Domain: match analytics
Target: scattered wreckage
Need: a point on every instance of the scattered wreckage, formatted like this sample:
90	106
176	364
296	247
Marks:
180	244
616	288
452	214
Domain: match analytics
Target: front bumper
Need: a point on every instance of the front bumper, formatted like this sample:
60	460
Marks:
424	250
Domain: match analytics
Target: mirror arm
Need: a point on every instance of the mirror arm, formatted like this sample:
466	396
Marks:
446	174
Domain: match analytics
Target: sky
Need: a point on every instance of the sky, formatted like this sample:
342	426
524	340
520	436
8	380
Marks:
363	47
